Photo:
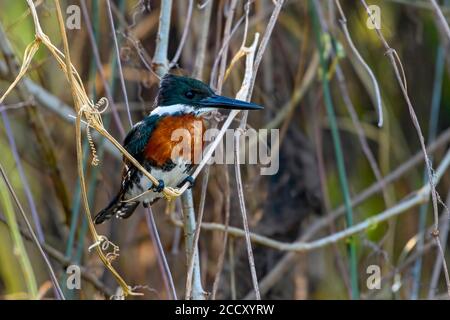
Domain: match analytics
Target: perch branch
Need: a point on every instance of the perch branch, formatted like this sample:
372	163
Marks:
160	63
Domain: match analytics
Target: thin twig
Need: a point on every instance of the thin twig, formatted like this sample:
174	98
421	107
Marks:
194	289
264	42
437	268
223	251
318	139
23	177
369	71
418	197
232	269
432	130
224	55
337	145
357	200
40	130
119	62
203	41
441	17
400	75
164	266
244	94
183	36
101	72
65	262
53	278
79	95
240	191
201	210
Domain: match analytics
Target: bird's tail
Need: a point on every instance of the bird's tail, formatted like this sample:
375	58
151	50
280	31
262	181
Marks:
116	207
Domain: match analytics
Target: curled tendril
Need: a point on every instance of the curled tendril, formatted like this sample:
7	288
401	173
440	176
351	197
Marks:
90	113
110	253
95	160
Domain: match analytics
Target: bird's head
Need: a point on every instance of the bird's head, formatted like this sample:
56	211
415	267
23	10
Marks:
178	90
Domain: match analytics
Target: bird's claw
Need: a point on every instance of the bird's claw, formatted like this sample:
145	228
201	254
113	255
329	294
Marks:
159	187
190	180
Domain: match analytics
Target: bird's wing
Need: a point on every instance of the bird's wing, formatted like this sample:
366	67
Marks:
135	143
137	138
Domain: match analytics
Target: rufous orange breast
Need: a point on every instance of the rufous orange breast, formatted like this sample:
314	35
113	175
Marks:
171	134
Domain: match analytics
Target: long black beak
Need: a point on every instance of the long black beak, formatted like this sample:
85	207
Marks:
216	101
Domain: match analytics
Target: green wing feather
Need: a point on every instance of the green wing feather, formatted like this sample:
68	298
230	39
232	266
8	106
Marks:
137	138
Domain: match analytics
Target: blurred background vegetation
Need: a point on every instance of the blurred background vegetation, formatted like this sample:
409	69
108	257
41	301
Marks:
302	201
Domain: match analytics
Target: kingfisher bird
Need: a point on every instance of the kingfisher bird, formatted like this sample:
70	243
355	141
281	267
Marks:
181	103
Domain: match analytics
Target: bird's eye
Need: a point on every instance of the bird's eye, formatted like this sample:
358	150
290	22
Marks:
189	94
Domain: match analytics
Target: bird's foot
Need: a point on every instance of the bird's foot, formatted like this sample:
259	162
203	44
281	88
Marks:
190	180
159	187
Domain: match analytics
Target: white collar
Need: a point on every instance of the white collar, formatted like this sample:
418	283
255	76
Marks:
172	109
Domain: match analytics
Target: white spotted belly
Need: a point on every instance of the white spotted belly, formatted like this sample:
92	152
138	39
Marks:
171	179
